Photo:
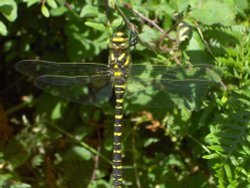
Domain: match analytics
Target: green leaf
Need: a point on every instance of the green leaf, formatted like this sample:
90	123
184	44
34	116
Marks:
98	183
4	178
37	160
195	42
45	11
246	150
21	185
97	26
241	4
214	12
57	111
52	3
3	29
211	156
89	10
9	9
78	152
58	11
228	172
150	141
31	2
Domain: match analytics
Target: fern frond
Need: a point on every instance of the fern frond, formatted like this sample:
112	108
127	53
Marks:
230	148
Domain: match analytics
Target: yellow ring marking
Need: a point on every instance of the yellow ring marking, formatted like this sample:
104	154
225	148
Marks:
120	86
117	151
119	39
118	116
119	100
117	161
117	133
117	167
120	92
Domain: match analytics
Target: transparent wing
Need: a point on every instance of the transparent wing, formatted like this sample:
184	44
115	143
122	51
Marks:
162	87
79	82
35	68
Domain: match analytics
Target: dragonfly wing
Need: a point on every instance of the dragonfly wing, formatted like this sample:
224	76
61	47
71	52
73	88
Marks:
162	87
80	82
81	89
35	68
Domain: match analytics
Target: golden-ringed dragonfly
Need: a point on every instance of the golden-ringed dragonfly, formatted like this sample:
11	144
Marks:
88	83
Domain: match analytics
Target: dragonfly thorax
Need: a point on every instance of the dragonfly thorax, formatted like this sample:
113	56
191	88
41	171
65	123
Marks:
119	55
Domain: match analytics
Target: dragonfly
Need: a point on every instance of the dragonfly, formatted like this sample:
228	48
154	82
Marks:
91	83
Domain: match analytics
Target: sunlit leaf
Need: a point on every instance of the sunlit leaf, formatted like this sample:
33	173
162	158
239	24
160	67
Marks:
58	11
45	11
57	111
9	9
97	26
213	12
3	29
52	3
21	185
31	2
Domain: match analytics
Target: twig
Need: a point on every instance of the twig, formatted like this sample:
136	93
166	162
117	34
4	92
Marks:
43	1
151	22
108	12
85	145
130	25
138	182
204	40
96	158
67	5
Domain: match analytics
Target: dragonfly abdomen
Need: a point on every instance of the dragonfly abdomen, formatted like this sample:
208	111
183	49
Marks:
117	149
119	61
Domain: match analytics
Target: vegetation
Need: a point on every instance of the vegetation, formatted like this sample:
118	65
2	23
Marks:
46	141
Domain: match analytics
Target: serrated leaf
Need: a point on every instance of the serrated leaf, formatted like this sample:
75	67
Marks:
3	29
9	9
213	12
97	26
52	3
241	4
45	11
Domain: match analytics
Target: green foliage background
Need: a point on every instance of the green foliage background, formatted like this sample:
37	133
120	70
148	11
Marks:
46	141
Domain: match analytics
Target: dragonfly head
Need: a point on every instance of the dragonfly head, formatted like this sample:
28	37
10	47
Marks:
119	41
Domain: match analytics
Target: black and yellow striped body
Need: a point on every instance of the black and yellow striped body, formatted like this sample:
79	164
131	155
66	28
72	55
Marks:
119	62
